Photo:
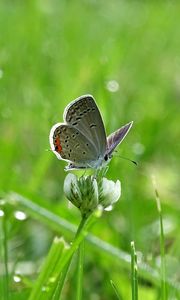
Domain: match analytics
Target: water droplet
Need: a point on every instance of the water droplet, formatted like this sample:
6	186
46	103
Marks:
52	279
45	289
1	213
16	278
20	215
139	256
112	86
2	202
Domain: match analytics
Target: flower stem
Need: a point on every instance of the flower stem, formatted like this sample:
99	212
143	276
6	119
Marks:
80	260
80	271
60	284
64	272
81	226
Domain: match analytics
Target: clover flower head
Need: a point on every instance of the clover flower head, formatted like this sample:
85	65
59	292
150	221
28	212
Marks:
88	192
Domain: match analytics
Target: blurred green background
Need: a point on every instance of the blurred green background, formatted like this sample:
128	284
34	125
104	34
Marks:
127	55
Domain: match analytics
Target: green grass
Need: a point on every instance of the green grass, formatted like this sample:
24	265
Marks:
162	245
134	272
4	254
50	53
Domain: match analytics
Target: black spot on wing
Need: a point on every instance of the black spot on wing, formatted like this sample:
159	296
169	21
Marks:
93	125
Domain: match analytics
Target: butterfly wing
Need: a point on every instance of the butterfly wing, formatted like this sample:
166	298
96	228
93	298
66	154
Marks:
115	138
69	144
83	114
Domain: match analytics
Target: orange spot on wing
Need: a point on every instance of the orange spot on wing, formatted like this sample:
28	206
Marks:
58	147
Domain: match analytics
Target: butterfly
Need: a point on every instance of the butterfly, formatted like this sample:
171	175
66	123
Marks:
81	140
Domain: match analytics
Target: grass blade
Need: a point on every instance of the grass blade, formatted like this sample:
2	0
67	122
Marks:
61	281
64	271
44	285
60	225
162	245
4	255
59	256
116	290
134	278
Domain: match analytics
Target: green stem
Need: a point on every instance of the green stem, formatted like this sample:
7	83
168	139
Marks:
80	235
80	271
66	267
115	290
162	243
134	280
81	226
48	270
5	258
60	225
60	284
163	262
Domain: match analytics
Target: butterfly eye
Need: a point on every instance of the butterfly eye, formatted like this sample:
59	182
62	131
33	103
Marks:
106	157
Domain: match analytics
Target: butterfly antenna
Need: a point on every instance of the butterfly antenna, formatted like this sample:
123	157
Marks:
133	161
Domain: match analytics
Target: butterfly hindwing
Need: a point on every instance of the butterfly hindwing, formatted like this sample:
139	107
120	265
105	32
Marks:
115	138
71	145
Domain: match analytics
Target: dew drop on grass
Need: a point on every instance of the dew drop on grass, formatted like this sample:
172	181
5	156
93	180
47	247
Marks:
52	279
1	213
20	215
16	278
45	289
2	202
112	86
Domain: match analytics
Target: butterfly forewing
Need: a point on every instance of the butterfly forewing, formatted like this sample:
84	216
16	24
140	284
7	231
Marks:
115	138
70	144
83	114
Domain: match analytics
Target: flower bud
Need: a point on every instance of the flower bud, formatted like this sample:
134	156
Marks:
87	192
82	192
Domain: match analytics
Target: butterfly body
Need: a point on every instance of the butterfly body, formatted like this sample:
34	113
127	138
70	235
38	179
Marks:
81	139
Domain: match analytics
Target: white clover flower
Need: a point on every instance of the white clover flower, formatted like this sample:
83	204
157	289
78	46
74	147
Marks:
110	192
87	192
